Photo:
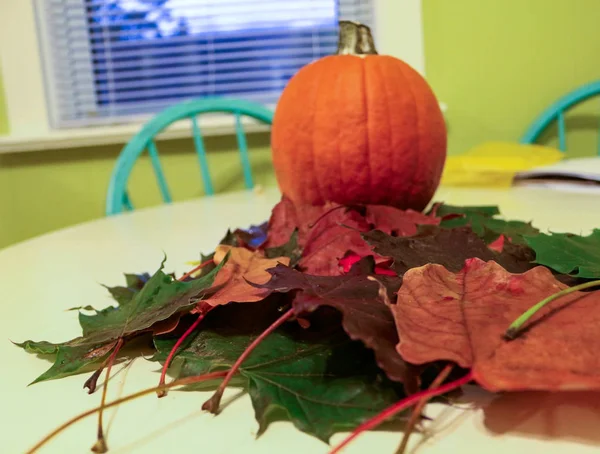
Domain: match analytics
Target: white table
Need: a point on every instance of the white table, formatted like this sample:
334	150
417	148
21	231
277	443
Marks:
42	277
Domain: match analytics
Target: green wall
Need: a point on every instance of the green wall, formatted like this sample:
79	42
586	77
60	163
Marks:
43	191
3	117
496	63
499	63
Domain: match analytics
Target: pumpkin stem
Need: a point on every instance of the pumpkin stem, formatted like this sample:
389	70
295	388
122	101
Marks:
355	39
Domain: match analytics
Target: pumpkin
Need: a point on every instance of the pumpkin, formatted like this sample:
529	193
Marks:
358	128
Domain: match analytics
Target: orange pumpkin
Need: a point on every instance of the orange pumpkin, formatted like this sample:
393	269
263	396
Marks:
358	127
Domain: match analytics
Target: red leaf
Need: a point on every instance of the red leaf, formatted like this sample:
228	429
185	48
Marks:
498	244
382	264
462	317
394	221
327	233
286	217
330	239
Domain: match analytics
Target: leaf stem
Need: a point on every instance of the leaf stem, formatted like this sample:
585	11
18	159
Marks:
91	382
414	417
399	406
173	384
192	271
173	351
212	404
100	445
163	374
514	329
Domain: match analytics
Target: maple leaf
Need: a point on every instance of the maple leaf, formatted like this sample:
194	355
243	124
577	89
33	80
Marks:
243	265
568	253
291	249
447	247
326	234
149	309
68	359
382	264
484	224
443	210
462	317
324	381
330	239
356	297
253	237
396	222
286	217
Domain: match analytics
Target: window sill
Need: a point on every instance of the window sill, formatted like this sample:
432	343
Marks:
111	135
119	135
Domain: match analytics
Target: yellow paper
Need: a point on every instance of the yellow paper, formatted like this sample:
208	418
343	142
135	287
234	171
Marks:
494	164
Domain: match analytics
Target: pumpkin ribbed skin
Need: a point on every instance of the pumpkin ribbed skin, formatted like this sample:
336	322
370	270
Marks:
358	129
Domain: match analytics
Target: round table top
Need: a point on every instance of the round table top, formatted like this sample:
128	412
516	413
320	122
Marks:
43	277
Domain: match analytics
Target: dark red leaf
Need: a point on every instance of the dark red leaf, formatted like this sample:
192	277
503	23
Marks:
364	315
447	247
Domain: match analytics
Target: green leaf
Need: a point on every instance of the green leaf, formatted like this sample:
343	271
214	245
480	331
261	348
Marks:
290	249
442	210
323	381
142	304
68	360
160	298
568	253
482	221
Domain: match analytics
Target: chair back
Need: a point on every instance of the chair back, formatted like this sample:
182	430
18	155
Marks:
556	112
117	199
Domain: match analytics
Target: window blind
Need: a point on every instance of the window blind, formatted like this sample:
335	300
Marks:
110	61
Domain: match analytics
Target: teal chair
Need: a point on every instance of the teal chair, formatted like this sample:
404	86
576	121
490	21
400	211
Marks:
556	112
117	199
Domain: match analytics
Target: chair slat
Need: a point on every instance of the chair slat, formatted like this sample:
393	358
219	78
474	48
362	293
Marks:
598	140
158	171
127	202
243	146
562	131
201	152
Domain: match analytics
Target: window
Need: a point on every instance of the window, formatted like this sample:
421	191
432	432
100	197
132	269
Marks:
86	72
107	60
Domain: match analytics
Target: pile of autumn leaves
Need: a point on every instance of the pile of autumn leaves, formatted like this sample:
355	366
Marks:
381	300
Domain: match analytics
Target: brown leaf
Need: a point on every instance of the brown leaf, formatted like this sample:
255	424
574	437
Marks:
166	326
231	283
462	317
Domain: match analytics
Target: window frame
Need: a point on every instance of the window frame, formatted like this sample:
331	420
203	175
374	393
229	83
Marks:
398	31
